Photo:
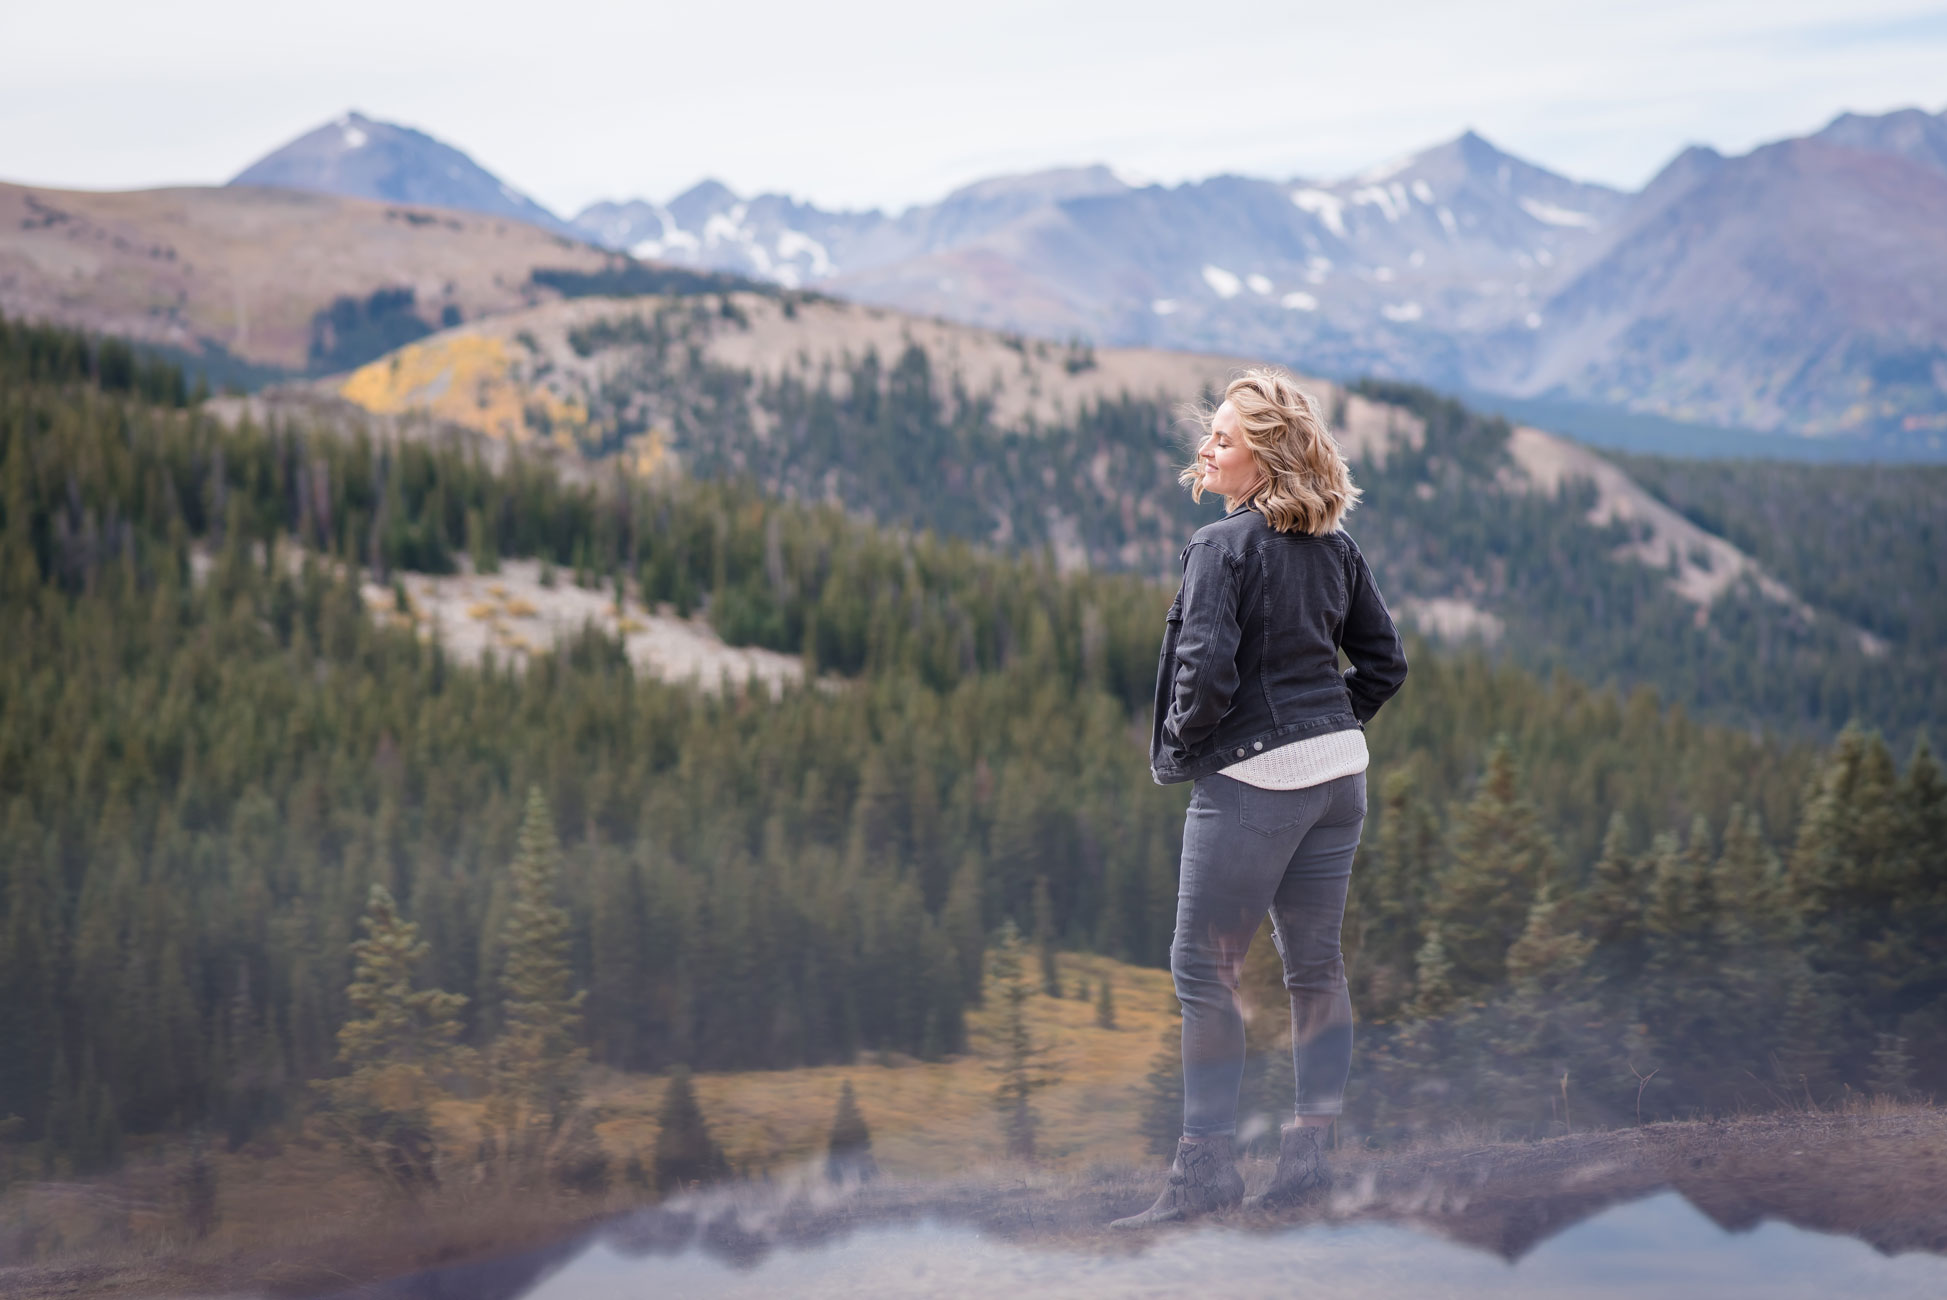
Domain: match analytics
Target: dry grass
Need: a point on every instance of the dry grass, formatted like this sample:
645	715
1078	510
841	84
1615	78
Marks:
248	269
292	1212
934	1120
296	1219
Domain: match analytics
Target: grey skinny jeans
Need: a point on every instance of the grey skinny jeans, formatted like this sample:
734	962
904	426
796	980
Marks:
1247	850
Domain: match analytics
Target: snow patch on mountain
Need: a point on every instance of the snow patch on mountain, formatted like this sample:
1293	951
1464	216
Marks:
1549	214
1222	283
1326	206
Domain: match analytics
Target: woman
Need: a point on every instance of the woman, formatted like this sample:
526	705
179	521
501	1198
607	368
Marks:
1252	707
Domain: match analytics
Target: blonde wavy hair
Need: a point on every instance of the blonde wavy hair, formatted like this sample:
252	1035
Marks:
1305	486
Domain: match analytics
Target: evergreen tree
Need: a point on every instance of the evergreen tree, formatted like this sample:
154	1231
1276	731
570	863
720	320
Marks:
1044	938
848	1151
685	1153
1105	1005
1501	858
536	1062
1748	883
480	545
198	1188
1161	1116
1550	952
963	928
1612	904
1892	1069
1433	979
1020	1065
397	1046
1388	897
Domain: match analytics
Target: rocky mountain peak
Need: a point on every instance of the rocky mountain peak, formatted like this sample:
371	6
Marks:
1910	133
362	157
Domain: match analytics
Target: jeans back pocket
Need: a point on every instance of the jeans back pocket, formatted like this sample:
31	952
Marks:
1271	812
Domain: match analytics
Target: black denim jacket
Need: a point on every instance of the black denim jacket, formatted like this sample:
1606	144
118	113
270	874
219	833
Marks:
1250	651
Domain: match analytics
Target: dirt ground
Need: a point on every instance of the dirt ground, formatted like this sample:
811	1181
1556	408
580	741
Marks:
1878	1174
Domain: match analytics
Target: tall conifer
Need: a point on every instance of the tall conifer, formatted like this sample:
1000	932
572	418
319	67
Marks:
1020	1064
1501	857
536	1061
397	1046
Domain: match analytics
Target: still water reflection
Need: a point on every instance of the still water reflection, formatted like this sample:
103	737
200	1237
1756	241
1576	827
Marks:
1658	1246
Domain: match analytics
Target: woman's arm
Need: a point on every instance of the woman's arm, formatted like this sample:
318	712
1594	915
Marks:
1370	641
1206	646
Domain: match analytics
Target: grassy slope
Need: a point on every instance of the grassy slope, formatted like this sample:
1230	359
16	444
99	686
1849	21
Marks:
927	1120
248	270
934	1120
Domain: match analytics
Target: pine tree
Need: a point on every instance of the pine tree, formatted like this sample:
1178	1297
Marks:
480	544
1433	978
685	1152
1802	1059
1388	899
197	1185
536	1062
1549	952
397	1047
1105	1005
963	928
1161	1115
1044	938
1022	1074
30	927
1747	881
1612	904
848	1151
1501	857
1892	1069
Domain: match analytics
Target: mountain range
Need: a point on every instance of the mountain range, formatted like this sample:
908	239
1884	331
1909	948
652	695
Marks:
1799	288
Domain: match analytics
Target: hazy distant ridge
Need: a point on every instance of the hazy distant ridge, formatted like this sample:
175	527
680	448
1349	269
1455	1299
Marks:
1801	287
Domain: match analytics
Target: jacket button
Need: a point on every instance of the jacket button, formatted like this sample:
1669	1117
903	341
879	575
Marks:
1240	753
1258	745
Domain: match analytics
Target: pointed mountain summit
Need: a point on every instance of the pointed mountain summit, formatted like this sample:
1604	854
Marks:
359	157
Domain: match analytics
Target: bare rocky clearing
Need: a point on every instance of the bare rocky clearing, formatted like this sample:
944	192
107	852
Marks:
516	613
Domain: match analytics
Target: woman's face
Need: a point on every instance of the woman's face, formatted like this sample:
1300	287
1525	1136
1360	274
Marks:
1228	469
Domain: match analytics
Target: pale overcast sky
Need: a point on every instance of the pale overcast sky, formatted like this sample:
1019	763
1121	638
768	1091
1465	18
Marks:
885	104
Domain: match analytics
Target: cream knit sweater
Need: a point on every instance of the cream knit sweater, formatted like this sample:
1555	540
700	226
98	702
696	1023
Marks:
1304	762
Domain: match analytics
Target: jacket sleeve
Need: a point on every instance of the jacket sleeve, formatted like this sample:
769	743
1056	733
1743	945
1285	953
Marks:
1370	641
1206	646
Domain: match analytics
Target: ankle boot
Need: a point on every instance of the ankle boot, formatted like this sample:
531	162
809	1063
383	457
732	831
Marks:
1202	1178
1302	1175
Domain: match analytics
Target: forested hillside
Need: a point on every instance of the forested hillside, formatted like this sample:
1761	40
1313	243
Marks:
209	754
1868	542
1029	448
